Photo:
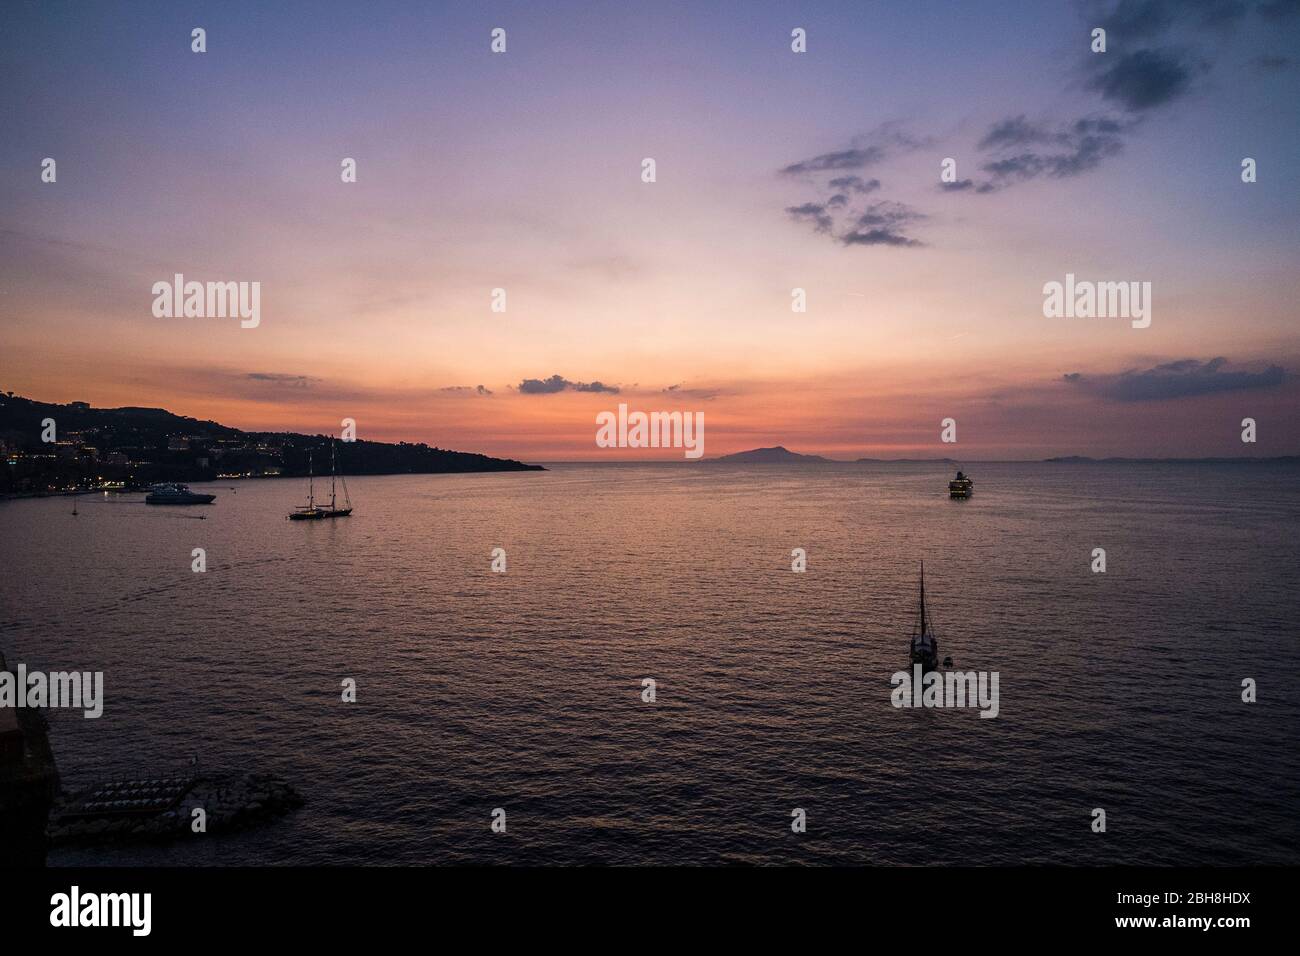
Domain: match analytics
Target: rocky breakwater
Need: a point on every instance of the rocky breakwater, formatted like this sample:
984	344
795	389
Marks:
165	808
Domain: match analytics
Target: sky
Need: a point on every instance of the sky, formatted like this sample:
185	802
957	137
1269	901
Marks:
774	171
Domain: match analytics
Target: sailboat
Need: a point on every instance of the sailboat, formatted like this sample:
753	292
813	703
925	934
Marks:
311	511
924	643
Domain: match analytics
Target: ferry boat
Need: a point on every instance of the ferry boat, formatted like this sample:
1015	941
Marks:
924	644
960	487
313	512
174	493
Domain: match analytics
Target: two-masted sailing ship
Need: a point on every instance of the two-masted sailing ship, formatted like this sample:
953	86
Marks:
925	643
314	512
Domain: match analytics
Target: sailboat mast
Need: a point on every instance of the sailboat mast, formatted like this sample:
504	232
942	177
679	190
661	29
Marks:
333	470
311	483
923	627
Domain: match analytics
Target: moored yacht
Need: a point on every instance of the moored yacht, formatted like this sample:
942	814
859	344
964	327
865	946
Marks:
174	493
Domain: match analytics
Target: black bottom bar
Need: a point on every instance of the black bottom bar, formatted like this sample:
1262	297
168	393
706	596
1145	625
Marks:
944	906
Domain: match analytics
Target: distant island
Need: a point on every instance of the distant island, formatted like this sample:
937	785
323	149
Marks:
906	461
769	456
130	448
1232	460
780	455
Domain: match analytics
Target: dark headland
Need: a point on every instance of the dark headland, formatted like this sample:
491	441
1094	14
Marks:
138	446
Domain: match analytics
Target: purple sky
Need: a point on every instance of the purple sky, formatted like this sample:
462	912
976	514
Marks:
775	170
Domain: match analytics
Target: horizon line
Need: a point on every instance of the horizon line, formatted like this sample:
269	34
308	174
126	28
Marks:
823	459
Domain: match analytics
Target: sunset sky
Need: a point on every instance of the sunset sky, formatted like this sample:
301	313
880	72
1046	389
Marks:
522	171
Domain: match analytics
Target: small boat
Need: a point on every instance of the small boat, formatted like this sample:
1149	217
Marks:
924	645
960	487
311	511
174	493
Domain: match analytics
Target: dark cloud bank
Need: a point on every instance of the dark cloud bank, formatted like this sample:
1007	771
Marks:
558	383
1181	379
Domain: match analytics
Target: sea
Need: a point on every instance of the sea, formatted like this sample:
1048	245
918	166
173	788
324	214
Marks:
521	694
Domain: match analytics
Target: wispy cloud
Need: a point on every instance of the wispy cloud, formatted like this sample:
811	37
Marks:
815	214
854	184
280	378
839	214
467	389
881	224
704	394
1033	149
839	160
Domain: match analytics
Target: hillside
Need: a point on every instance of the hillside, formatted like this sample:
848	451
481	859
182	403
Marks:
137	446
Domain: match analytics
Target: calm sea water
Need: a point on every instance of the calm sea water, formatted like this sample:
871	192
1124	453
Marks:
523	690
